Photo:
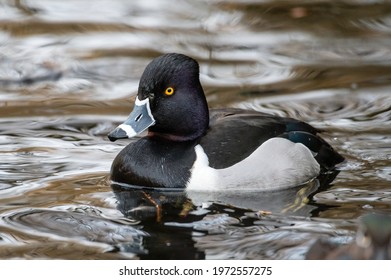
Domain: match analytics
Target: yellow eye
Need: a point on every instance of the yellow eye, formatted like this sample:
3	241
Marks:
169	91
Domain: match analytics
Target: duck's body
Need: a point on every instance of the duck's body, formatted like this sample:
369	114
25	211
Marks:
225	149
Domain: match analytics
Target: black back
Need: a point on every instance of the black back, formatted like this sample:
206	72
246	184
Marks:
234	134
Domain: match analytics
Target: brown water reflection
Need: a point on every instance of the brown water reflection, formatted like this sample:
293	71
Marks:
335	18
68	76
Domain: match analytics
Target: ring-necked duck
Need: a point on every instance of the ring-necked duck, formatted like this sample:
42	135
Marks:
188	146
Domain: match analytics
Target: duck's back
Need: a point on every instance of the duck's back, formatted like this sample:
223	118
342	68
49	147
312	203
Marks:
234	134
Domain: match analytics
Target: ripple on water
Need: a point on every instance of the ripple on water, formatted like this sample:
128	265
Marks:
37	151
271	237
350	195
348	110
66	76
84	226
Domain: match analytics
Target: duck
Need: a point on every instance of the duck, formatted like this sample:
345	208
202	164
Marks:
182	144
372	241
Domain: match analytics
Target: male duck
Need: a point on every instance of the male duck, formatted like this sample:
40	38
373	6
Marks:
188	146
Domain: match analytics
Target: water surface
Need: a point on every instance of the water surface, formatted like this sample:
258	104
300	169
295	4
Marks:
68	77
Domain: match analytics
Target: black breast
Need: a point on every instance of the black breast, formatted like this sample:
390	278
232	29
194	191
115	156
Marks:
153	162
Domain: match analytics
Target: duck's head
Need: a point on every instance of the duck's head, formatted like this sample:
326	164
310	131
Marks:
170	102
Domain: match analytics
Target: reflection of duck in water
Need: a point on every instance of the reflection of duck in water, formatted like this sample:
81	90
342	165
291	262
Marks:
172	220
162	205
143	204
154	208
372	241
190	147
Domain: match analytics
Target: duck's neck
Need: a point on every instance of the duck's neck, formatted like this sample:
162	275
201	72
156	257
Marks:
188	127
173	137
191	130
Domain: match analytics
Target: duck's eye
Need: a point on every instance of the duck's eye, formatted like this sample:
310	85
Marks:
169	91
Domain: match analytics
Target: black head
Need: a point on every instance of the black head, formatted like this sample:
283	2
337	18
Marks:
177	100
178	109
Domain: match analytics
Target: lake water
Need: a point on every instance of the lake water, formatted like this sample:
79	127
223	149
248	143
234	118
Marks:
69	74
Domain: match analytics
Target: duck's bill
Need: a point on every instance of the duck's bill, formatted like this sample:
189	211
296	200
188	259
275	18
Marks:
139	120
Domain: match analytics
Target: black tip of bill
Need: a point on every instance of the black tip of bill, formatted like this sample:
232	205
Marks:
117	133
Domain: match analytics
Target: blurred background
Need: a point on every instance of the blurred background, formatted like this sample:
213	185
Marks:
69	71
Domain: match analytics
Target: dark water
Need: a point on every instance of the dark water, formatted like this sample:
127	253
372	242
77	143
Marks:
69	73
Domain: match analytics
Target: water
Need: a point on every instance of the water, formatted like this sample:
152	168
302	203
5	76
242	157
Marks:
68	77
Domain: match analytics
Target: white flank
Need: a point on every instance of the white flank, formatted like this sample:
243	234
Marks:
277	164
203	177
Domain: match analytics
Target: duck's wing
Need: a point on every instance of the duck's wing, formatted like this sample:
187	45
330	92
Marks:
234	134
